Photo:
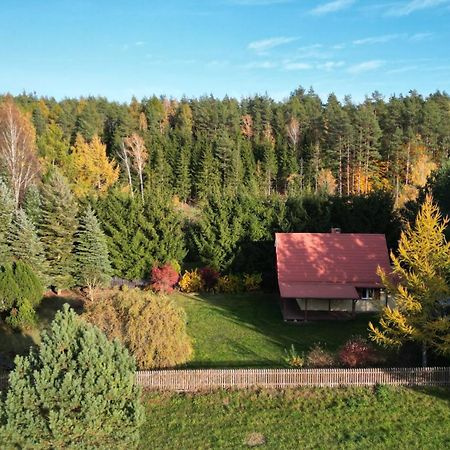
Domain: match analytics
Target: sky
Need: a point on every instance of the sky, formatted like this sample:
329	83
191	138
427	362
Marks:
119	49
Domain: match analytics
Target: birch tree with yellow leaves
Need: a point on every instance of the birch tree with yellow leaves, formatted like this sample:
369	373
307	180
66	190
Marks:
419	282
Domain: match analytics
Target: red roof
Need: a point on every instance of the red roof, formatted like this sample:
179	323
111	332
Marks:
329	265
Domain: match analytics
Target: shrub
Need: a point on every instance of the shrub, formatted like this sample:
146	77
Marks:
252	282
163	279
76	391
319	357
23	317
210	278
230	284
20	292
191	281
357	352
9	291
293	358
28	282
151	326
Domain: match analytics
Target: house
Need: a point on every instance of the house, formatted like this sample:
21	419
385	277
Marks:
330	275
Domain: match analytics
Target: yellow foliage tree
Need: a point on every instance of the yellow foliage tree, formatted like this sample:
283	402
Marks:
419	284
91	171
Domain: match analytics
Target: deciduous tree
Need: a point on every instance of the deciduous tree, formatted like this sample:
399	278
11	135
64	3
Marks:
419	285
18	153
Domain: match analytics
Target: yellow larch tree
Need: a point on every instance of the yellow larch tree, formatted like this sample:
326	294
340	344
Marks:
419	283
91	172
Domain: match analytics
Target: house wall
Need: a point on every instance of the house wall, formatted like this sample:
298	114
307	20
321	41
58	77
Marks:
341	305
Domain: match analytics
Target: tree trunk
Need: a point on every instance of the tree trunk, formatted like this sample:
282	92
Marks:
424	355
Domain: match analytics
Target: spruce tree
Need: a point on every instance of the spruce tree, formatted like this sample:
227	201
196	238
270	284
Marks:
169	245
91	251
25	245
32	205
219	231
6	215
129	235
76	391
57	229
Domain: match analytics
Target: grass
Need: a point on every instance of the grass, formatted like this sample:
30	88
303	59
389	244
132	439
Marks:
350	418
13	342
247	330
243	330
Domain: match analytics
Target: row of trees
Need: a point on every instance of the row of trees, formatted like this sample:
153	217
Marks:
193	146
62	243
206	181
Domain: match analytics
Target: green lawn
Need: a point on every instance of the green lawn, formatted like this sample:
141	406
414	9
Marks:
300	418
247	330
243	330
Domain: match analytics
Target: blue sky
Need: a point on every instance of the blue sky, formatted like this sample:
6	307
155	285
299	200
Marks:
237	47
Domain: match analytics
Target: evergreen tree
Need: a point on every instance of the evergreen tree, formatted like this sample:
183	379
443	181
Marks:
25	245
57	229
6	215
9	290
76	391
169	245
91	251
32	205
219	231
421	272
130	236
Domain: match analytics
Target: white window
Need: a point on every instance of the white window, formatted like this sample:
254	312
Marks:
367	293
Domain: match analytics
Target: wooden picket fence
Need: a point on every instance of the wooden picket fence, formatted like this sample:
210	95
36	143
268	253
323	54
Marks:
210	379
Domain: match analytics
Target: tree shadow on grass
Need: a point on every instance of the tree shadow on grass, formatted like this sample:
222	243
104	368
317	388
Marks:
13	342
260	313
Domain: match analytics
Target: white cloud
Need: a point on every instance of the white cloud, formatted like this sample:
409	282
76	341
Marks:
331	65
330	7
417	37
377	39
264	45
365	66
139	43
260	65
402	70
405	9
297	66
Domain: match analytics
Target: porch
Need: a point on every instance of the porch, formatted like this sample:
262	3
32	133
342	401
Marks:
291	312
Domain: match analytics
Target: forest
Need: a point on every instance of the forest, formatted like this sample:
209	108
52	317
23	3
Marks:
207	181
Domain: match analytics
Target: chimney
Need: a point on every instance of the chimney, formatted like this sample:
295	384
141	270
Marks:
335	231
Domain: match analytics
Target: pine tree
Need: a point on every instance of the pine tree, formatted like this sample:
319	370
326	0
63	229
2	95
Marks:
57	229
422	269
6	215
25	245
91	251
76	391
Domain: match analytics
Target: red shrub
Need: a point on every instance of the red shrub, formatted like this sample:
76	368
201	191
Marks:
163	279
357	352
210	277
